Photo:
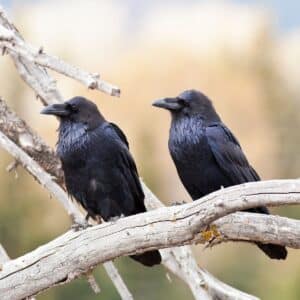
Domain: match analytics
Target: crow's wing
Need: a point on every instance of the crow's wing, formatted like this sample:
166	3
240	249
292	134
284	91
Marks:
120	179
229	154
120	133
129	162
234	164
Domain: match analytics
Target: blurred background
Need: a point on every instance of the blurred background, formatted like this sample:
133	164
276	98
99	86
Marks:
245	55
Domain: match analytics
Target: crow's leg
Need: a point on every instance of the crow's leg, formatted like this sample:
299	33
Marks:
115	218
81	225
175	203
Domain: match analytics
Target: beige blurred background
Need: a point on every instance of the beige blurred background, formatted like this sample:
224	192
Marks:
237	53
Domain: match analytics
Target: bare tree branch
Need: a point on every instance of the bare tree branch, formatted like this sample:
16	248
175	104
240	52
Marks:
43	177
161	228
115	276
3	256
180	261
22	135
242	226
13	43
35	76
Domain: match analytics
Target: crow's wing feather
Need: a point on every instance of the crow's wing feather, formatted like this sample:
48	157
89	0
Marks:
127	167
229	154
120	133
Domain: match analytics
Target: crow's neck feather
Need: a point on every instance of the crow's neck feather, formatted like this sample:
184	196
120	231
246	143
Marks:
72	136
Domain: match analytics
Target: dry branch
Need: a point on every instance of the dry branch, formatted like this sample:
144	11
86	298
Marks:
180	261
21	134
3	256
242	226
43	177
17	46
13	43
62	260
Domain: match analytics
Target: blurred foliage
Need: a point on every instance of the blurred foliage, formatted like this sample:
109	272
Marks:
228	51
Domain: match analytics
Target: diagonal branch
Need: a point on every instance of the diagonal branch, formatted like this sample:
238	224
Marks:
16	46
12	42
41	176
5	258
161	228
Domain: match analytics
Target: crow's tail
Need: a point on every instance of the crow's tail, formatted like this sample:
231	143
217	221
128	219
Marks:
148	259
273	251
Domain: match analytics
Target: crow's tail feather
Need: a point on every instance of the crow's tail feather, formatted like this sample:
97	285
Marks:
273	251
148	259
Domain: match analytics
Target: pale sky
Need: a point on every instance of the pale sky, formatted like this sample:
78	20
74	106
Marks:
286	12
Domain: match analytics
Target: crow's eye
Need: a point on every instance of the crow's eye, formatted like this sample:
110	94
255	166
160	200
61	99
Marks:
182	102
73	107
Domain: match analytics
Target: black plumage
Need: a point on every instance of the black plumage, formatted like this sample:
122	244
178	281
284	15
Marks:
99	170
206	154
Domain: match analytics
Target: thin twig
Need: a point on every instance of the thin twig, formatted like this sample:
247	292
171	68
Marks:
93	283
41	176
3	256
111	269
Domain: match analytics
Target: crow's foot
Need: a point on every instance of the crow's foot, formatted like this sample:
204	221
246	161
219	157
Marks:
80	226
175	203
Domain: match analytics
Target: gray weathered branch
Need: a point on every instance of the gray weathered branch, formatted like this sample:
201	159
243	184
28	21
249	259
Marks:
242	226
181	261
42	176
13	43
62	260
3	256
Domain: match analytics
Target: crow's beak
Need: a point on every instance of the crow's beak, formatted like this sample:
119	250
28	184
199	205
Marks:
167	103
59	110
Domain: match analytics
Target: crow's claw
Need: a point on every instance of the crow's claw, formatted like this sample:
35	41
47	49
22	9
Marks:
80	226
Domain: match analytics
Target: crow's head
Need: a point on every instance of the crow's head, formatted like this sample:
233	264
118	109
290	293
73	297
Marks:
76	110
189	103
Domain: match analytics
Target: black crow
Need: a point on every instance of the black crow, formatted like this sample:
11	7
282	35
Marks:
99	170
206	154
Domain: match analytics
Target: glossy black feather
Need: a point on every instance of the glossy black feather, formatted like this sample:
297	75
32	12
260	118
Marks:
100	172
206	154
